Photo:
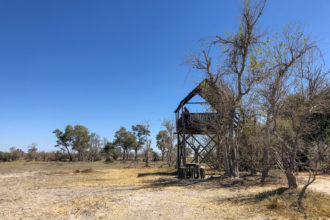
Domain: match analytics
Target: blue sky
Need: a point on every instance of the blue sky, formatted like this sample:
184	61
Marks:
106	64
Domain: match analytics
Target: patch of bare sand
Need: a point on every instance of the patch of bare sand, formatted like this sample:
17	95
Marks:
321	184
3	177
120	194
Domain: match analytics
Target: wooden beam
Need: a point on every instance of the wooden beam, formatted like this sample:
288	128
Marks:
196	103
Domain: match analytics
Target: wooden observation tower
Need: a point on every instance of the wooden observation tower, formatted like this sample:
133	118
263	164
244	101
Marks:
189	129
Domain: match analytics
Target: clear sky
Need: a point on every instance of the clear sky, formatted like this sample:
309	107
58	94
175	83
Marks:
106	64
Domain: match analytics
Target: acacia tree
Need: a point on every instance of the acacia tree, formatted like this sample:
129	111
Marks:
64	139
231	79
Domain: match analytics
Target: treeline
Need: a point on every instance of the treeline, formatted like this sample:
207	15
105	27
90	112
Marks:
77	143
32	155
81	145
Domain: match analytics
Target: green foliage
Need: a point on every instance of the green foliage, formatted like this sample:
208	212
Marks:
110	151
126	140
32	152
319	122
5	156
64	139
251	139
140	131
163	141
80	140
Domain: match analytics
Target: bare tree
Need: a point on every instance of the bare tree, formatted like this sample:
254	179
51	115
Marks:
147	149
171	149
231	79
304	99
95	147
281	55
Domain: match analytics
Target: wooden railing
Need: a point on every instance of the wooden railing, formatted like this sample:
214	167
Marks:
196	121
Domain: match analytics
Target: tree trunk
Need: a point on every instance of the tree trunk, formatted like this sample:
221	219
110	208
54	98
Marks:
196	155
291	177
290	171
235	172
163	153
67	149
265	168
226	160
124	154
147	158
80	157
135	156
303	190
147	153
107	157
233	147
265	158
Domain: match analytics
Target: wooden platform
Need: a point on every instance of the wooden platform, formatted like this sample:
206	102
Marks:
196	123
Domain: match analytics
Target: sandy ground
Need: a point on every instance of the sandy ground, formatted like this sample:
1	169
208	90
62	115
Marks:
321	184
58	191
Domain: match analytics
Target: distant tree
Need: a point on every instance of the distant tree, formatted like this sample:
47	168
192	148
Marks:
171	149
155	156
60	156
95	148
109	150
80	140
126	140
64	139
104	141
148	149
139	131
163	140
4	156
120	136
16	154
32	152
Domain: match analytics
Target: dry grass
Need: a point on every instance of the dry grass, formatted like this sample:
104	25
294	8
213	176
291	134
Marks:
131	191
315	205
